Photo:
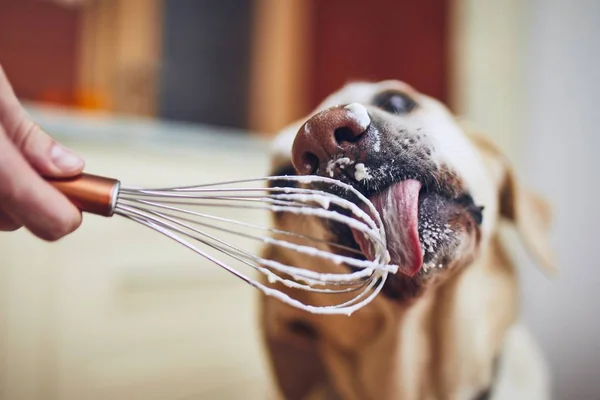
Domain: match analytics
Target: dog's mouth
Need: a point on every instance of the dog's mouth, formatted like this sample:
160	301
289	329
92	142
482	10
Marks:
398	206
420	225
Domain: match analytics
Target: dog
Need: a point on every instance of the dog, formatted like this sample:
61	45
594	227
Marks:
446	325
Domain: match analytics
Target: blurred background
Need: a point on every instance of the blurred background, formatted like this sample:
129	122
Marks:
160	91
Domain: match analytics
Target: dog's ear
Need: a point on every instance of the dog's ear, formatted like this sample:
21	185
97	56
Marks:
532	216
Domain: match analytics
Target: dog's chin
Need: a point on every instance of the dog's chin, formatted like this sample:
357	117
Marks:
427	233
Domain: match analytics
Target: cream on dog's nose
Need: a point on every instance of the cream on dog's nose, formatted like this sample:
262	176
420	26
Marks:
328	134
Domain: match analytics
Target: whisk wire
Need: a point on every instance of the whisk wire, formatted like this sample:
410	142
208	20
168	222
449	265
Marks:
176	223
244	224
311	251
161	227
174	213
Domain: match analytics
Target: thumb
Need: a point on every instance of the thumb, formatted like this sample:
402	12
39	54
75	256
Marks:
41	151
47	156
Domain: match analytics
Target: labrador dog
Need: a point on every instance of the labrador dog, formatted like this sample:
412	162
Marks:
446	325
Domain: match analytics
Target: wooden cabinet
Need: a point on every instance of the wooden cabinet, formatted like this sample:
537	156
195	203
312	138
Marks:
303	50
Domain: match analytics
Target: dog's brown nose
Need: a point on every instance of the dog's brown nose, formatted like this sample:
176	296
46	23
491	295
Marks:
328	134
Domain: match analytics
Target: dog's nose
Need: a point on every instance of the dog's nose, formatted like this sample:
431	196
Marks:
328	134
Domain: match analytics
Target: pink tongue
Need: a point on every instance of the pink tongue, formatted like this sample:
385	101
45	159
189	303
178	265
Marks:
399	209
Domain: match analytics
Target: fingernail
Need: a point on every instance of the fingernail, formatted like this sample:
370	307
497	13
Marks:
64	159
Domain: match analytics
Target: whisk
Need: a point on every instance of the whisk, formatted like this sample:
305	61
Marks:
180	213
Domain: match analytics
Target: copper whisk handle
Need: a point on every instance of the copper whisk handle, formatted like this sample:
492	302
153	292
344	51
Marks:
90	193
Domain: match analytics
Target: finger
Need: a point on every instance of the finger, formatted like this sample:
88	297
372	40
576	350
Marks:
46	156
29	200
7	224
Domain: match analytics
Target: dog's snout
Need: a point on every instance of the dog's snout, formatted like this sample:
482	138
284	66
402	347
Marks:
327	134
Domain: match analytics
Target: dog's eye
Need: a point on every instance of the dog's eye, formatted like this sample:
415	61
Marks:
394	102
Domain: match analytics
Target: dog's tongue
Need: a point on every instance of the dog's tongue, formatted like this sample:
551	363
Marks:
399	209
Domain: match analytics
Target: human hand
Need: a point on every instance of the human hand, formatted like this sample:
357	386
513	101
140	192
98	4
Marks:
26	154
